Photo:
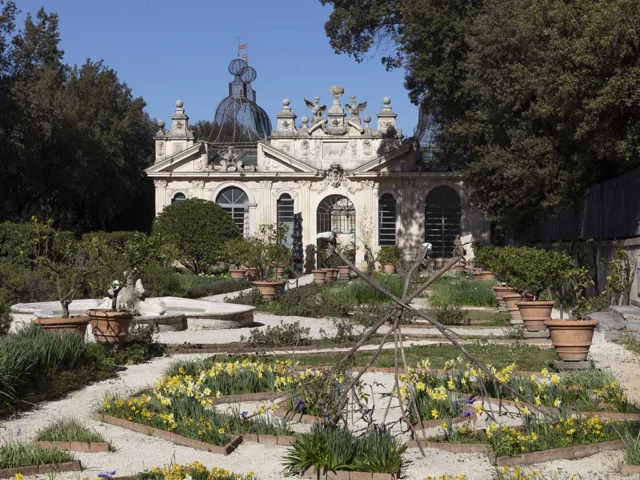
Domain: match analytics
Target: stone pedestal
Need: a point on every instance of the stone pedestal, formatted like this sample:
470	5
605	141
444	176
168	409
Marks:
516	323
502	310
541	334
562	365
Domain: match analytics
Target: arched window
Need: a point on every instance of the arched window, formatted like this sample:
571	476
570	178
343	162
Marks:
443	218
336	213
285	216
178	197
387	220
235	201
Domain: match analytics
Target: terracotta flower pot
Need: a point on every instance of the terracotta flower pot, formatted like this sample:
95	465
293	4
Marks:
252	272
534	314
344	272
388	268
510	300
500	291
330	274
484	276
269	289
63	326
238	273
571	338
110	326
319	276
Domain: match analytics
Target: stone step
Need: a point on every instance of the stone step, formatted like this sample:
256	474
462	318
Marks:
626	313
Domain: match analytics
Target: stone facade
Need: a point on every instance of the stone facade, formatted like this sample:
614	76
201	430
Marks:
334	153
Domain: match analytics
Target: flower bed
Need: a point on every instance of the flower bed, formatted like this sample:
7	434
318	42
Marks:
537	441
194	471
577	392
17	459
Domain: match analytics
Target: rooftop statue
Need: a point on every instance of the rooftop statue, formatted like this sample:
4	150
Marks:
316	109
354	110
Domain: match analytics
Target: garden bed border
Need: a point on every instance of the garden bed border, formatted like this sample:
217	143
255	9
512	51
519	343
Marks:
348	475
73	466
169	436
83	447
574	452
630	469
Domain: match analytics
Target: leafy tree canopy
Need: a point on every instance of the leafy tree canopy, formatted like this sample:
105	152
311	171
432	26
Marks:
535	100
198	229
73	139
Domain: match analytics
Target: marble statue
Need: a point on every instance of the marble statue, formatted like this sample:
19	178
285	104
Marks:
231	160
316	109
132	298
355	109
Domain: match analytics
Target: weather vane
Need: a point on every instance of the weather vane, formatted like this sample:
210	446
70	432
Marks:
243	46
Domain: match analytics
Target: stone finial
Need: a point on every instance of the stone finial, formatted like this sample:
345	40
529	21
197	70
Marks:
286	118
179	103
367	120
160	124
305	121
386	100
386	118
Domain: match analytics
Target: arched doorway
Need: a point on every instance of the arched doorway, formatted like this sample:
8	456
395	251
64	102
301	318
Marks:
442	220
235	201
336	213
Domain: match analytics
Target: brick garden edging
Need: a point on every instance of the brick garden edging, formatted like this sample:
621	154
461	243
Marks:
630	469
566	453
281	412
84	447
347	475
74	466
169	436
268	439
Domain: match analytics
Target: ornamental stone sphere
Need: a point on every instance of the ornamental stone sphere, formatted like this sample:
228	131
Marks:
160	123
179	103
386	100
367	118
286	102
305	119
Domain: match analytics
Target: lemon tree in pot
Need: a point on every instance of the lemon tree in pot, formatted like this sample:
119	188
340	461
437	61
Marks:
572	337
234	254
70	264
388	257
123	260
264	252
531	272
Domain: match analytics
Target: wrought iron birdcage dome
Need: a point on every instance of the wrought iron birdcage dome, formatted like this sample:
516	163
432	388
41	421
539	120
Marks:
238	118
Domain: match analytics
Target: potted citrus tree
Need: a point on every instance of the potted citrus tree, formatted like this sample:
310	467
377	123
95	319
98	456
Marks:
533	271
70	264
388	257
234	252
110	326
572	337
263	252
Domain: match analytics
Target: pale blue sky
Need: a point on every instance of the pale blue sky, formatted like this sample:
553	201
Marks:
168	50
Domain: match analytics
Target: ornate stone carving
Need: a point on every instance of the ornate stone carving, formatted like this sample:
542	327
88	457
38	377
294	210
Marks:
199	165
230	160
353	144
179	125
317	148
286	148
335	150
408	183
177	148
316	110
265	184
160	149
160	183
366	148
368	184
197	184
304	184
304	148
335	175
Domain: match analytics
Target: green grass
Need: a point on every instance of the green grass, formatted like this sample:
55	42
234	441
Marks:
68	430
16	454
631	343
453	290
631	448
526	357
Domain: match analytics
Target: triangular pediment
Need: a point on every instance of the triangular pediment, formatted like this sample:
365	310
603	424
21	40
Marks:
182	161
395	160
270	158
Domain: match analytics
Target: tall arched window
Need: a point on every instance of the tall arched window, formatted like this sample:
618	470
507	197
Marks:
336	213
178	197
443	219
387	220
285	215
235	201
